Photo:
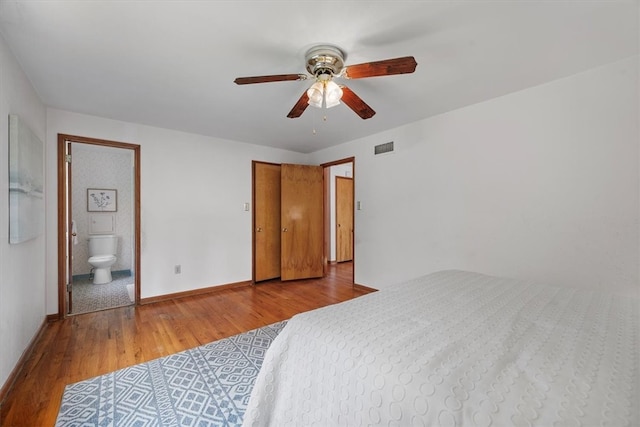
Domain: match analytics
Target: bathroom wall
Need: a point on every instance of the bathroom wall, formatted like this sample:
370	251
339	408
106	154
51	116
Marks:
107	168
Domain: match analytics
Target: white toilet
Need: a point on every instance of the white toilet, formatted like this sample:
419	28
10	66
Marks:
102	255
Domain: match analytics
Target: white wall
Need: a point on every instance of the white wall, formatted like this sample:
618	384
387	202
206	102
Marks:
22	289
193	190
540	184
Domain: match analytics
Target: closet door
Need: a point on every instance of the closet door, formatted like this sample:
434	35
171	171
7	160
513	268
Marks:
266	221
301	222
344	219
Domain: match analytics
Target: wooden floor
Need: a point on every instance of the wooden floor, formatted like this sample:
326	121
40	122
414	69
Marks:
92	344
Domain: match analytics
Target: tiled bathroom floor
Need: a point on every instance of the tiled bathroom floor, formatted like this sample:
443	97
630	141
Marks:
88	297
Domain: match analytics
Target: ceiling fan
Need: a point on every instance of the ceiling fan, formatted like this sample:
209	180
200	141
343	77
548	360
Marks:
325	63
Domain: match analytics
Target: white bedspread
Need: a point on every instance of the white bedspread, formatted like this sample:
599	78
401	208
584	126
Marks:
456	348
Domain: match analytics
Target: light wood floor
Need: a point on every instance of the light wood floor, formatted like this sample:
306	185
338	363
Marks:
92	344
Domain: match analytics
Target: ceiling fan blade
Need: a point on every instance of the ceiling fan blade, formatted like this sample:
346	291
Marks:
356	103
404	65
269	79
300	106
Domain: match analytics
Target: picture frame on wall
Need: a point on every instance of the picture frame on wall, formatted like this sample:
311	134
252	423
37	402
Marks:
26	182
102	200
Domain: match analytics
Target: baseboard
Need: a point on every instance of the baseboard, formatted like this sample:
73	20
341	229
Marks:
364	288
123	273
54	317
11	379
194	292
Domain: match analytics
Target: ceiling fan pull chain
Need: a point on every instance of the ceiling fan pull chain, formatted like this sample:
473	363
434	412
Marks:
313	122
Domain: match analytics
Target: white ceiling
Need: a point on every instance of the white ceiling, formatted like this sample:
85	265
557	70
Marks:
172	64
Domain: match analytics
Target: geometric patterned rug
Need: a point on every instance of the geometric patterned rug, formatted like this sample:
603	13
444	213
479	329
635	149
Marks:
208	385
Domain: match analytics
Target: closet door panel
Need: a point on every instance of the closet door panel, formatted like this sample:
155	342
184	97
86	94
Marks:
302	222
344	219
266	232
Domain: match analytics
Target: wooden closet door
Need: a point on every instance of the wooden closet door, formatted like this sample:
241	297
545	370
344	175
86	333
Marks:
344	219
266	203
301	222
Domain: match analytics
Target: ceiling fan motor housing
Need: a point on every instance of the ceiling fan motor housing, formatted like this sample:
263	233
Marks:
324	60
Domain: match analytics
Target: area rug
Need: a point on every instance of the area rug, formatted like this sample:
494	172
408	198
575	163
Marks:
208	385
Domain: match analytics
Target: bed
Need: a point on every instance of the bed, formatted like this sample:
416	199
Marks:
456	348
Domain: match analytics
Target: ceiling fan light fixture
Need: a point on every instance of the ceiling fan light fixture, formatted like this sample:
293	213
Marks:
332	94
316	94
324	94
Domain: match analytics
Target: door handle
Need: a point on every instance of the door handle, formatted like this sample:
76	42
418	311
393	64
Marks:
74	234
259	229
284	229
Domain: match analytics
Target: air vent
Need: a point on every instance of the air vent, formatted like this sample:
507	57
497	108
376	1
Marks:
383	148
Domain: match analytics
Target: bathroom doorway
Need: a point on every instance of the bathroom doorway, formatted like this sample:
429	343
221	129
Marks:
98	185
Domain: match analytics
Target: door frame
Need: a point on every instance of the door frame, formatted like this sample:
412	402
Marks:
327	215
63	209
327	212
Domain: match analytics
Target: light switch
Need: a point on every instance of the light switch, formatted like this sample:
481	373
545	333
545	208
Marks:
246	207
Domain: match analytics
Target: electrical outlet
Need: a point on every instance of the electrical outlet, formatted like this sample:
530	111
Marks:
177	269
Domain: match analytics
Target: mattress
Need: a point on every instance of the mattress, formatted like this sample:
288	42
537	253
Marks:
456	348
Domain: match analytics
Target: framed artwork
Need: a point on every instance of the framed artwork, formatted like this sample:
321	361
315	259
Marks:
102	200
26	182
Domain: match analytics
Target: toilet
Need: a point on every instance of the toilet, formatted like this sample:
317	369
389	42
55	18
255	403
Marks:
102	255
